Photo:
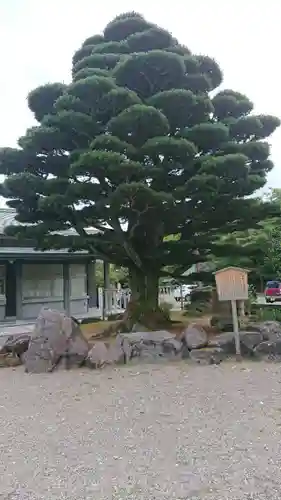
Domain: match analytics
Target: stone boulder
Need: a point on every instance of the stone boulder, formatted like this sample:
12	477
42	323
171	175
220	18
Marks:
102	354
226	342
195	337
250	339
16	345
207	355
3	340
9	360
152	346
126	347
56	339
116	353
97	356
269	350
270	330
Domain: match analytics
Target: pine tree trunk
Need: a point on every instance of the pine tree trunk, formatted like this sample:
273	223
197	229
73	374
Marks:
143	307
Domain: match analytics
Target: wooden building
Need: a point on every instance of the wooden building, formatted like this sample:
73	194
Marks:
31	279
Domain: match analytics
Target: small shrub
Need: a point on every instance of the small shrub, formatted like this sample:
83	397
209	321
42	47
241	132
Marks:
195	309
222	323
263	312
166	308
201	295
200	302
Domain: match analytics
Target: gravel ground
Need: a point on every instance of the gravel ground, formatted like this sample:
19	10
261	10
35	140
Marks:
142	432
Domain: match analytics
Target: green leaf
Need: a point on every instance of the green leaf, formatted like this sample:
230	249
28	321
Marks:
138	123
91	89
93	40
177	105
112	48
207	136
114	102
210	68
152	39
149	73
169	148
85	72
41	100
121	28
228	103
100	61
84	51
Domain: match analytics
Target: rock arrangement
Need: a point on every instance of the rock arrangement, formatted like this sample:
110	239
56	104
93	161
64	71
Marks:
57	342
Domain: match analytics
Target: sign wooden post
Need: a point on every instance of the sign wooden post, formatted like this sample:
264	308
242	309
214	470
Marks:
236	327
232	284
182	299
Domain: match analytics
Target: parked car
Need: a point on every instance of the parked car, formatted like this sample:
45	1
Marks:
183	292
272	291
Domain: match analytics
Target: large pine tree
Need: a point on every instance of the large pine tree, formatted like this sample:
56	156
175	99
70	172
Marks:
139	147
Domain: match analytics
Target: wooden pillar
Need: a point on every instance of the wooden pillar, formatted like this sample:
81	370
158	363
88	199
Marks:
91	283
19	297
66	287
106	277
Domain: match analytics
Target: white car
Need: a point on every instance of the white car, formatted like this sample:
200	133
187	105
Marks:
183	292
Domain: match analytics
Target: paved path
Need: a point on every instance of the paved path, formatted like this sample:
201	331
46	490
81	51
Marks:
7	330
145	432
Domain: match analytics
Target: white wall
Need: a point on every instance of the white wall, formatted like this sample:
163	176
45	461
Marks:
42	285
78	289
78	281
2	292
42	281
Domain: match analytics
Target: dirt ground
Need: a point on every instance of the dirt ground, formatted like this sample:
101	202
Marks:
142	432
94	330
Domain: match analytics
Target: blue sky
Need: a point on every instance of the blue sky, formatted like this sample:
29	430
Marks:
38	39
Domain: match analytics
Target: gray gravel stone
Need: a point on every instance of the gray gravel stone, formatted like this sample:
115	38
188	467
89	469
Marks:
160	432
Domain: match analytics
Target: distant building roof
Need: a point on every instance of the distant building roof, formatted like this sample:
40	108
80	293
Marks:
7	218
31	253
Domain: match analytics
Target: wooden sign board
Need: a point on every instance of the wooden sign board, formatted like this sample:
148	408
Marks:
232	283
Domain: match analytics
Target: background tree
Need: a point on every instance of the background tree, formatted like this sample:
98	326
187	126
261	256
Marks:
139	147
258	249
116	275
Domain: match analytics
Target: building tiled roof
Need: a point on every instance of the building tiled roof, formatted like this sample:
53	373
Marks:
7	218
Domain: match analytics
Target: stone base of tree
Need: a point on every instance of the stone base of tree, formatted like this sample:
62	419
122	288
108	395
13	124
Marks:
67	349
151	318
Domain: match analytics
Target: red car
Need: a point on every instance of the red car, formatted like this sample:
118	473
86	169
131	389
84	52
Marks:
272	291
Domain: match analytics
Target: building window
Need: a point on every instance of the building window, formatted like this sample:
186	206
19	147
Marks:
78	281
2	280
42	281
